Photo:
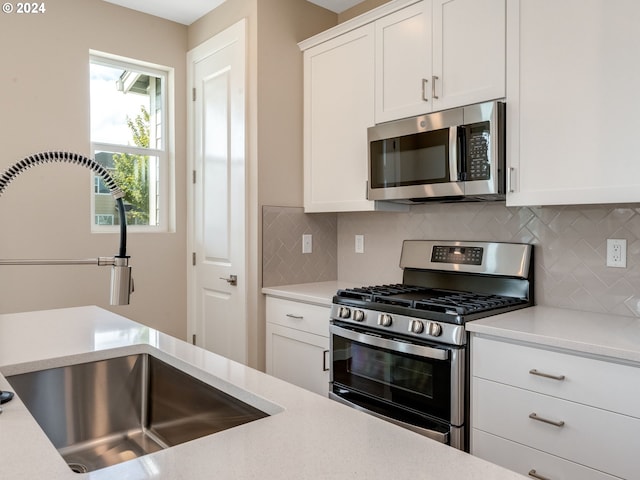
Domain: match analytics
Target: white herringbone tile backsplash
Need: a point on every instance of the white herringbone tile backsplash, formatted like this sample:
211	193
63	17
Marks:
570	266
283	262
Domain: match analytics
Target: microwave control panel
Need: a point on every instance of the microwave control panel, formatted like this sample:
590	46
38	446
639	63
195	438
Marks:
478	144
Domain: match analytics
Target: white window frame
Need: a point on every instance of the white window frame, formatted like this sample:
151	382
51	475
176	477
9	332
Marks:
165	221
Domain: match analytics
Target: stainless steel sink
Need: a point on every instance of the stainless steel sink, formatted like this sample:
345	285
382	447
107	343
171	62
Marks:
101	413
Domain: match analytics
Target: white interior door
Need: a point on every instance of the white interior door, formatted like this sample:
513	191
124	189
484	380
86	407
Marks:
218	281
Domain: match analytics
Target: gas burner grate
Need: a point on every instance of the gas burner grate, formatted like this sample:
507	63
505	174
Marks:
451	302
461	303
381	293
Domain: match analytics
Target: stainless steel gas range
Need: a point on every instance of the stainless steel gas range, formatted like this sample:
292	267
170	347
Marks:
400	351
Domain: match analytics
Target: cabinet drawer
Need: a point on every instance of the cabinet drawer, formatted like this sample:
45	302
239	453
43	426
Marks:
594	382
590	436
301	316
523	460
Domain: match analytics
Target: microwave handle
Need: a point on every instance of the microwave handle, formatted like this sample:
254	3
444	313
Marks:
461	140
454	155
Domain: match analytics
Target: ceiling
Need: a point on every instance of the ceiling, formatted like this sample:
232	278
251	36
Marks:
188	11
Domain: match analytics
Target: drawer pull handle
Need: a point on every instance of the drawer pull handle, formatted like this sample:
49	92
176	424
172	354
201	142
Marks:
533	371
534	474
534	416
297	317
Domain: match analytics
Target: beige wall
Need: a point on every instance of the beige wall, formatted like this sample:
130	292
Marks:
360	9
44	105
280	105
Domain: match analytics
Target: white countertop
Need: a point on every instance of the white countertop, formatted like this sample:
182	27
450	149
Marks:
600	334
318	293
307	437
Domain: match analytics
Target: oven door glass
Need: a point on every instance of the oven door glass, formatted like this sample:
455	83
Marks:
417	159
407	380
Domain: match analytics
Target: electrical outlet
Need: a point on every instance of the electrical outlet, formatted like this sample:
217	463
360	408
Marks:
359	243
307	243
616	253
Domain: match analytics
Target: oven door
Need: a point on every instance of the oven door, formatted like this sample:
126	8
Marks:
418	386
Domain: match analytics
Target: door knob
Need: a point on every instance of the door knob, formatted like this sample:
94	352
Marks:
232	280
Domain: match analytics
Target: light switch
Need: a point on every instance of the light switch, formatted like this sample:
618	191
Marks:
359	243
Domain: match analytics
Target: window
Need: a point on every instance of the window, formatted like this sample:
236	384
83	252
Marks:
130	138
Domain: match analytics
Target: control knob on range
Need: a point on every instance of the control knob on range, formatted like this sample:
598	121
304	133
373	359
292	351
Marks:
344	312
358	315
430	328
434	329
385	320
416	326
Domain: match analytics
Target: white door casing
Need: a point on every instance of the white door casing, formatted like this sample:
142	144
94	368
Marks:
217	317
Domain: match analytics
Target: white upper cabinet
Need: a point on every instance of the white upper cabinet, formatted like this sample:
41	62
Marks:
572	109
338	109
381	66
468	51
439	54
403	63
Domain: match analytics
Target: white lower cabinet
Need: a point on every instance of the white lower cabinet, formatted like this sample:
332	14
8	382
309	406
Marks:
529	461
297	347
554	415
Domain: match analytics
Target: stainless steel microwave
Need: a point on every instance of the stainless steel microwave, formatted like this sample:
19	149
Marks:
455	154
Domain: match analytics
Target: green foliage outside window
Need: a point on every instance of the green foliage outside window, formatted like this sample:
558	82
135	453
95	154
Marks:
132	171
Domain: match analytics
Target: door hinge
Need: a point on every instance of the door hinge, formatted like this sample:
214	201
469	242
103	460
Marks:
193	258
194	176
193	94
193	339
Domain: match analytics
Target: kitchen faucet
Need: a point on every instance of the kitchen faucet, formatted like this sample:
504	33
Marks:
121	280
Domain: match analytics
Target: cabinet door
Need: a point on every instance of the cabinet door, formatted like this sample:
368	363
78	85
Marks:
298	357
403	63
468	51
338	109
573	118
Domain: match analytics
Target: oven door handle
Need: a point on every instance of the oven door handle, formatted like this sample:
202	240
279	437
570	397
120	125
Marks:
388	344
434	435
